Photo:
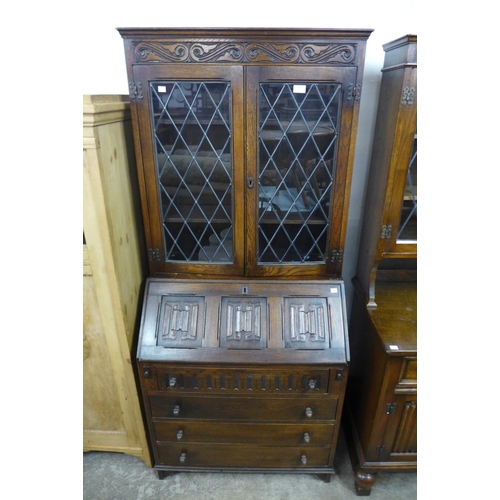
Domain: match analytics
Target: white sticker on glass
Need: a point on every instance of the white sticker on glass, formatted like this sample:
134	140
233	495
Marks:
299	89
162	88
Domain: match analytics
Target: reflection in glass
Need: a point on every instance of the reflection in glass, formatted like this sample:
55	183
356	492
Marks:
297	151
408	219
192	134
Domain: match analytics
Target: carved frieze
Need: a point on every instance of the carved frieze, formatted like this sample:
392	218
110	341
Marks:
213	51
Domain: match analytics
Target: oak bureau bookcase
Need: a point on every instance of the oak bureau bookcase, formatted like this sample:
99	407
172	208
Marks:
245	141
380	415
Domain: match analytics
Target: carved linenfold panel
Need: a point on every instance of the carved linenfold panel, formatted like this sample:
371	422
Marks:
180	322
406	438
243	323
213	51
306	323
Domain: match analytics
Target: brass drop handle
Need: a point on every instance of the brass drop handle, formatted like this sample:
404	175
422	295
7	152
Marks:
307	438
309	412
303	459
180	434
182	458
177	410
172	382
312	383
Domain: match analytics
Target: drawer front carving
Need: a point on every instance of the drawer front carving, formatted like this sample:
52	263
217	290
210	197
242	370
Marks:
244	433
230	407
241	381
220	455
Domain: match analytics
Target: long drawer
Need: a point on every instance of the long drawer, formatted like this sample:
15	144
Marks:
225	455
223	380
224	432
237	407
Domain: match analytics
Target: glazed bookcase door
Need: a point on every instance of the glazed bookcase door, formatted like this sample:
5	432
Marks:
297	168
193	118
403	241
401	201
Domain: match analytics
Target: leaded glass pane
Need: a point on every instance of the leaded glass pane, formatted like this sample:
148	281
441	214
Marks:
298	129
408	219
192	134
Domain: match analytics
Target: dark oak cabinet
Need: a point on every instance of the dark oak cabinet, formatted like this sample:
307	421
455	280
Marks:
380	414
245	142
241	380
388	245
245	147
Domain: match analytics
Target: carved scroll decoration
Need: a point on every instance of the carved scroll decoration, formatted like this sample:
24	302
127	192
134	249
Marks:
211	51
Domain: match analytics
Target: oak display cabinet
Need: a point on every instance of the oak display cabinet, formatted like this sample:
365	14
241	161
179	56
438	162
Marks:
380	414
245	141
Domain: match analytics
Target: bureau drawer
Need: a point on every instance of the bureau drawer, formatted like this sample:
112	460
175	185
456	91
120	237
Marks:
234	407
248	380
221	455
244	433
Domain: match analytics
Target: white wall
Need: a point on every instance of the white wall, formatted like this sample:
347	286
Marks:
103	71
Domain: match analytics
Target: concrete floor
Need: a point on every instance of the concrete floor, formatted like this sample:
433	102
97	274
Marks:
115	476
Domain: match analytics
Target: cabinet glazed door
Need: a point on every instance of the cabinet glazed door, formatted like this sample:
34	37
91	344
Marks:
298	168
400	206
193	117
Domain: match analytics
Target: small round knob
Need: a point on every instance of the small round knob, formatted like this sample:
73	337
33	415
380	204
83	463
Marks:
172	382
309	412
180	434
177	410
307	438
312	383
182	458
303	459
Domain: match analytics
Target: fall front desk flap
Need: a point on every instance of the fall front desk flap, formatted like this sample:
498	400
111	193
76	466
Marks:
244	321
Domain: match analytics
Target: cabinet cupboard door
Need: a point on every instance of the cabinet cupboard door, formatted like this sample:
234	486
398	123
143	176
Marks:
298	168
399	442
193	118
